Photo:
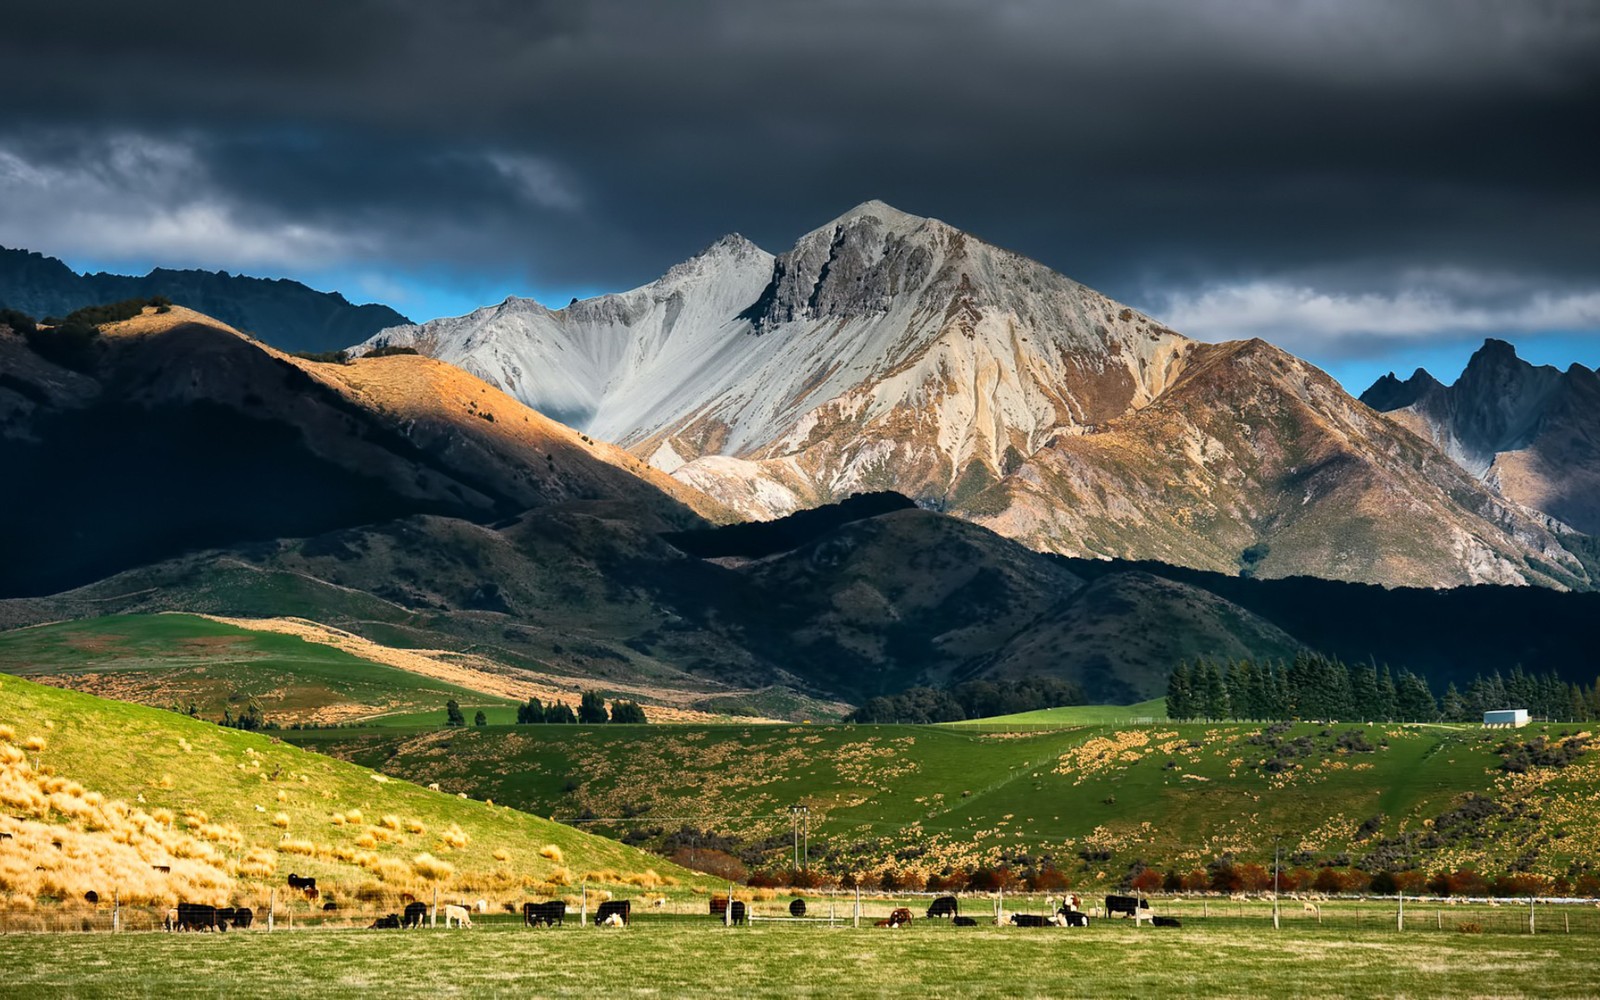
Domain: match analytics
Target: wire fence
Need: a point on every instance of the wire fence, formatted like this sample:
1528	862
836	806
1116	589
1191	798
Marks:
843	908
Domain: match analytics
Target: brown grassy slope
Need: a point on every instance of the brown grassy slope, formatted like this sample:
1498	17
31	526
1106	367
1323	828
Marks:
1252	445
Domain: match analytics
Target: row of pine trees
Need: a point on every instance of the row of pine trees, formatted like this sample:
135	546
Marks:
1312	686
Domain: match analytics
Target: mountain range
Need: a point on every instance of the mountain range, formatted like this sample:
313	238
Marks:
885	351
286	314
1530	432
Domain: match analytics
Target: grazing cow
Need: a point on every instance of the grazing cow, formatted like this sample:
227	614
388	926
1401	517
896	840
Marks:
459	914
1029	920
329	906
1128	906
1310	908
391	922
91	896
718	905
243	917
659	902
1165	922
897	919
615	907
194	917
224	916
306	884
482	906
737	914
549	914
797	908
614	920
415	912
944	906
963	921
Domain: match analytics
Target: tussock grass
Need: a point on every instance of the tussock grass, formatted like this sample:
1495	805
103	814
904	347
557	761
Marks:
94	814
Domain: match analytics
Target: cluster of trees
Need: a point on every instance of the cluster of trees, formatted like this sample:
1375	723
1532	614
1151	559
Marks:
251	718
70	340
1312	686
389	351
110	312
971	700
591	711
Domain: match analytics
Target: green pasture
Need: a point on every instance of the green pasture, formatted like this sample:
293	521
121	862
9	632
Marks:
927	959
1093	799
176	659
1076	715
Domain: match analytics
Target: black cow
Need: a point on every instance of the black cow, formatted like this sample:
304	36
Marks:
391	922
329	907
1166	921
737	913
621	907
224	916
243	917
1125	905
963	921
945	906
306	884
414	914
1075	918
1029	920
195	917
797	908
550	914
91	896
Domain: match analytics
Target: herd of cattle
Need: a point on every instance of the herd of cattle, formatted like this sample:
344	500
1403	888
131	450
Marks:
618	913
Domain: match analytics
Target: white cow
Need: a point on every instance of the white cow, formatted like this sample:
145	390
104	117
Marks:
458	914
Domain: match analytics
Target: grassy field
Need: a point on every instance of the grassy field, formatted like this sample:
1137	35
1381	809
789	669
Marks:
1075	715
95	792
681	959
1094	799
174	659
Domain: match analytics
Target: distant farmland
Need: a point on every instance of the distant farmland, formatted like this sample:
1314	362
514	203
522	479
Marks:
1095	803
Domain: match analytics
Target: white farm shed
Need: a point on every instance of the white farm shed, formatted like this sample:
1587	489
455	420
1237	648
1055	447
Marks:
1506	717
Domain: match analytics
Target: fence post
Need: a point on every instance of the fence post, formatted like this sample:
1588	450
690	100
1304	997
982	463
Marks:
116	910
583	917
1400	914
1530	915
858	906
433	916
727	911
272	907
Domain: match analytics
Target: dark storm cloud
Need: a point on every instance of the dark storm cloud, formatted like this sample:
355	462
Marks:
1153	149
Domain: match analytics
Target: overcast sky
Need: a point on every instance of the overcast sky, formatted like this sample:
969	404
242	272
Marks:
1370	183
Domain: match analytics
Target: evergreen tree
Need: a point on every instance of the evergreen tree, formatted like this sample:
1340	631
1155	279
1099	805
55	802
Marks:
452	714
1216	692
1416	701
627	711
1179	693
1364	694
1577	708
1388	695
592	709
480	719
530	713
559	713
1454	706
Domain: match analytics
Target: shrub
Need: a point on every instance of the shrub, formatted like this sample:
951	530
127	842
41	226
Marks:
19	322
431	868
551	852
281	820
70	345
390	350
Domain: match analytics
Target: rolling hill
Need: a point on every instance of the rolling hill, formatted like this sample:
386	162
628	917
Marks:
1095	801
231	813
208	438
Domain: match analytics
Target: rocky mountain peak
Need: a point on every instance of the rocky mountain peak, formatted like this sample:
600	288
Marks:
1390	393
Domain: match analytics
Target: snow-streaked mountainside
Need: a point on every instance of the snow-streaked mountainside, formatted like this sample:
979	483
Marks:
881	344
888	351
